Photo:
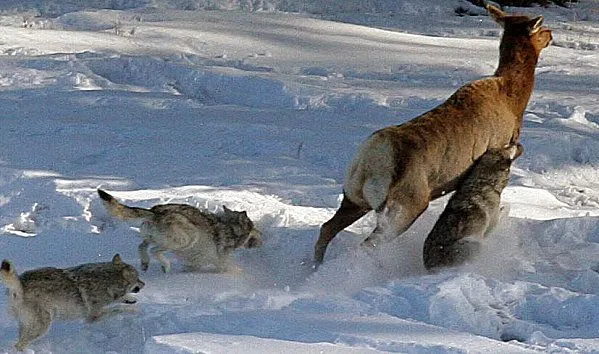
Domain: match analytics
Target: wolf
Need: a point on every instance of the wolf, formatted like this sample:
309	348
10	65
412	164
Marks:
472	212
197	237
91	291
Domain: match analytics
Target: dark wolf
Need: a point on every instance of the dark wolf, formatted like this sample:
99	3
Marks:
472	211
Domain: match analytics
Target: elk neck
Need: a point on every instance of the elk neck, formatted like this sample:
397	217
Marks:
517	61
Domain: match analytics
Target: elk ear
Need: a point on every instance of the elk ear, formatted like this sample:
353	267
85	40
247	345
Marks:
116	260
496	14
535	25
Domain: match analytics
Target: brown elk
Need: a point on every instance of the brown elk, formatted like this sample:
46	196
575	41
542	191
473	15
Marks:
398	170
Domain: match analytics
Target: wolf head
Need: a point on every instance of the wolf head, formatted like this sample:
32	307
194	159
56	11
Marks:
128	278
509	153
501	158
243	227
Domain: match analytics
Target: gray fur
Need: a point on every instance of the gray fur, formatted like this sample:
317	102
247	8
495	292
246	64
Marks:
91	291
197	237
472	212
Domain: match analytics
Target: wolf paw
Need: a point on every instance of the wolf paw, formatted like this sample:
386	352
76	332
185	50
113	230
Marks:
21	345
92	318
232	270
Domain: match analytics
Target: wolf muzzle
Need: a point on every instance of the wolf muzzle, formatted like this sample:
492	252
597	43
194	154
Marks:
255	239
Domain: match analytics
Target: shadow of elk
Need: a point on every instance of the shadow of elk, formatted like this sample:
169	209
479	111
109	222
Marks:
398	170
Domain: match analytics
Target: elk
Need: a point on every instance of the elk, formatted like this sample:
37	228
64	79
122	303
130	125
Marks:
399	169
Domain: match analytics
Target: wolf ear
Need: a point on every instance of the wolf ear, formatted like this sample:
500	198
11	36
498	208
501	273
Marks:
226	210
514	150
6	266
116	260
496	14
519	150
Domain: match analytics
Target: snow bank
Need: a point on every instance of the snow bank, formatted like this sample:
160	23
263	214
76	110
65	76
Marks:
262	112
212	343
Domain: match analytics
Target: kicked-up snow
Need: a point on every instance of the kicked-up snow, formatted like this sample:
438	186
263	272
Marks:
262	111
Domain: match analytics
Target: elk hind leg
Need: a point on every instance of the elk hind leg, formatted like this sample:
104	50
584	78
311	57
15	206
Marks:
347	214
397	215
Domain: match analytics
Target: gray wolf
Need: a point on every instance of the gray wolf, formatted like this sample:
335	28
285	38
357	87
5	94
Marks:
91	291
472	212
197	237
399	169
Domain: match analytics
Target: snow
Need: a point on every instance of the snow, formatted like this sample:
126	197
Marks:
261	108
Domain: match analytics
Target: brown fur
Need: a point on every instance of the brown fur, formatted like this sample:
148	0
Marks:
400	169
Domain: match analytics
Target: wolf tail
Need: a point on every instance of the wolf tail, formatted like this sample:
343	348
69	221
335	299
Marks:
122	211
9	276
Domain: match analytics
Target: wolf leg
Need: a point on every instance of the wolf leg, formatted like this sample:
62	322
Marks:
143	254
436	256
497	216
106	312
347	214
32	327
222	264
454	238
158	253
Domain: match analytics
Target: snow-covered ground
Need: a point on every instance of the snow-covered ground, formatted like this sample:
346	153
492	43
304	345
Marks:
262	111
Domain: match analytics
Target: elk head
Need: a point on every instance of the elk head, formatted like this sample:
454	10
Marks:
518	25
